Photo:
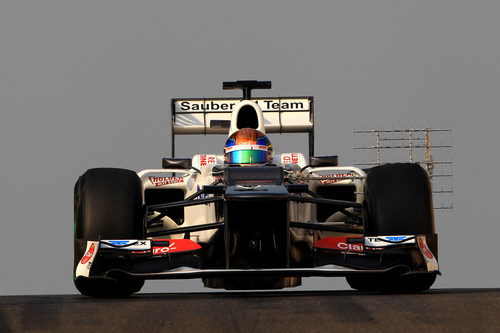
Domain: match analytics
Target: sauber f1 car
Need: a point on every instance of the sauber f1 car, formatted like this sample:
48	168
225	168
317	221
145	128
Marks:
251	218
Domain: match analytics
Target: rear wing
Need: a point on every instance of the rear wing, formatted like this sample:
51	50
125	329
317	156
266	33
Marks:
213	116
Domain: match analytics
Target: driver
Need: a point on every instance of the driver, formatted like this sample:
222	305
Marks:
248	146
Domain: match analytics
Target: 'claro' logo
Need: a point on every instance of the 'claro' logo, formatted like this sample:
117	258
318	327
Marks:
350	247
351	244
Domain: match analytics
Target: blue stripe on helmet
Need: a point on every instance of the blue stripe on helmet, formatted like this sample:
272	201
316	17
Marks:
230	142
263	140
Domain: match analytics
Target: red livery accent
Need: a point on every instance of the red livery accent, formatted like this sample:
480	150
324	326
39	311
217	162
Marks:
88	255
338	243
424	249
175	245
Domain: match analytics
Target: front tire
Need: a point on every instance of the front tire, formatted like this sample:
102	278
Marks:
392	283
398	201
107	205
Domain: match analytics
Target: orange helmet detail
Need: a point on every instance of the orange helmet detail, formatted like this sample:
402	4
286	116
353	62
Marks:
246	136
248	146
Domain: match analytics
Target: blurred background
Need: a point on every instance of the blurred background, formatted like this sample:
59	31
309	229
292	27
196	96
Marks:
88	83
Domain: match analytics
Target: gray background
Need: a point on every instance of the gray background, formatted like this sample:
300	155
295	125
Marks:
88	83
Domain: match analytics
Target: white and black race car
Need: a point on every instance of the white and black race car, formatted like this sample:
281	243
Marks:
253	224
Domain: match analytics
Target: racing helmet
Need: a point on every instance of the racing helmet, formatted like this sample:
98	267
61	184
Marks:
248	146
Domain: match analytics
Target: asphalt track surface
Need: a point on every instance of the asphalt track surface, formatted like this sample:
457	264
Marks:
445	310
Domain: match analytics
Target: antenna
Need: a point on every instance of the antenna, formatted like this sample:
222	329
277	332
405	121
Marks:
414	145
246	86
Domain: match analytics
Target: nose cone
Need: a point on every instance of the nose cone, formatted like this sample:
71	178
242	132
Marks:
247	114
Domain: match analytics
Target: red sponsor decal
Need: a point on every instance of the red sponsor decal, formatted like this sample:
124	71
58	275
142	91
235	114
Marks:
88	255
424	248
161	181
207	159
331	181
162	250
291	158
339	243
174	245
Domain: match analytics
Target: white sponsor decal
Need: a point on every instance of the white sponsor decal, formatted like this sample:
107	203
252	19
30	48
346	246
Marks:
384	241
128	244
292	158
208	160
84	265
227	105
164	249
341	177
162	181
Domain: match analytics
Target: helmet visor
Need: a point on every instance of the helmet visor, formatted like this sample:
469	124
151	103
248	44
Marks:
246	156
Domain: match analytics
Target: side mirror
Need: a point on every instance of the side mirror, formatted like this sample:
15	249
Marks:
322	161
176	163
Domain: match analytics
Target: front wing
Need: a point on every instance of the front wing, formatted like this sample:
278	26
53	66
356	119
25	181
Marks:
183	258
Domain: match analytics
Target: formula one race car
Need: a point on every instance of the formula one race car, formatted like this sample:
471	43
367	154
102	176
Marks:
251	218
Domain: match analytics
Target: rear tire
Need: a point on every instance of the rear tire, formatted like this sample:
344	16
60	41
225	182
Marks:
107	205
398	201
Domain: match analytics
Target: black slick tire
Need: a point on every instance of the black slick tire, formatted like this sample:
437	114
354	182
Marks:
398	201
107	205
